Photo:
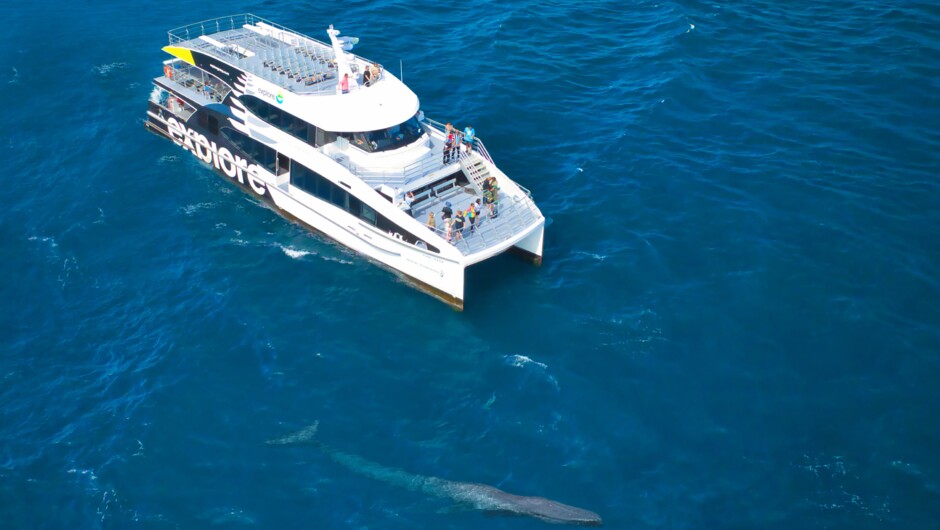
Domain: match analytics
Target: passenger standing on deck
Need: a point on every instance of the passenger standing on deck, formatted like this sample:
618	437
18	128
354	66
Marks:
487	193
447	212
493	189
472	216
431	224
406	202
448	229
344	84
458	226
449	145
468	138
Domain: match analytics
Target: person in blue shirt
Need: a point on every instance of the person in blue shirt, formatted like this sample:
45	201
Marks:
468	137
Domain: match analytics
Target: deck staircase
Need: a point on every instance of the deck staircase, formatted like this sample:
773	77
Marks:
474	167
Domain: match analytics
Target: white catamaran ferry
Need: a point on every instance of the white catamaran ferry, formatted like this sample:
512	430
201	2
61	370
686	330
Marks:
339	143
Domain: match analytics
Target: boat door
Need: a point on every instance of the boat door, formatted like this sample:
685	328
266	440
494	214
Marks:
283	164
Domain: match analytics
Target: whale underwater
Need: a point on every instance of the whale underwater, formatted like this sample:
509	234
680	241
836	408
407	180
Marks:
477	496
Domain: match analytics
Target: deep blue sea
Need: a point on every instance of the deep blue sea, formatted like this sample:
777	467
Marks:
736	325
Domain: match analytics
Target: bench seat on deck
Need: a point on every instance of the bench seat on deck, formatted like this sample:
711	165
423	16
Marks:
441	190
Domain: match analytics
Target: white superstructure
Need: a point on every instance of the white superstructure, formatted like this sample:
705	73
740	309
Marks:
340	144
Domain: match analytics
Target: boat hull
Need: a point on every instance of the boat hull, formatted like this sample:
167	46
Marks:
432	273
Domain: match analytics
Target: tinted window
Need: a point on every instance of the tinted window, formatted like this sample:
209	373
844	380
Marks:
325	137
387	139
339	197
355	206
279	118
255	151
321	187
368	214
304	179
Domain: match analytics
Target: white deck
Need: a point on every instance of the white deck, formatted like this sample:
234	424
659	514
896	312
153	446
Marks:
514	217
284	57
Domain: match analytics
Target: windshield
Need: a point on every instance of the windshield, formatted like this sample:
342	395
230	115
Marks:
387	139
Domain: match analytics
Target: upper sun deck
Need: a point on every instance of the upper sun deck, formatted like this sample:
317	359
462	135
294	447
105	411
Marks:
284	57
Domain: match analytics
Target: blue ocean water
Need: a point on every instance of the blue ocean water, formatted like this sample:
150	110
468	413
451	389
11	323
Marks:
737	323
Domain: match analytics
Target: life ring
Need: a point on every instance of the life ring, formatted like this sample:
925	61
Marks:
167	71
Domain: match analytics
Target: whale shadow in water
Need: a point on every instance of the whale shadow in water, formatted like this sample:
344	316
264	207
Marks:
477	496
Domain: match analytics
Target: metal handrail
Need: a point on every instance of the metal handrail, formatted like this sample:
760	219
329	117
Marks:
513	218
516	211
480	148
477	142
182	73
295	65
197	29
396	178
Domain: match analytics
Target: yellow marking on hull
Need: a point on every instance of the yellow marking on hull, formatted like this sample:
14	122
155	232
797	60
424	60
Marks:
182	53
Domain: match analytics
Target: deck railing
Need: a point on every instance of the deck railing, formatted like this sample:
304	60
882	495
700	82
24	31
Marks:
513	216
400	178
214	25
226	23
477	143
396	178
285	57
197	80
516	212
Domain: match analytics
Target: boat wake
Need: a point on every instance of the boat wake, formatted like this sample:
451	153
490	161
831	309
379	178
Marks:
105	69
191	209
521	361
294	253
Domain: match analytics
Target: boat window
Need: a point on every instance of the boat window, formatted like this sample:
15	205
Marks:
385	139
368	214
298	128
325	137
339	197
355	206
255	151
319	186
260	108
279	118
398	136
304	179
324	187
283	164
